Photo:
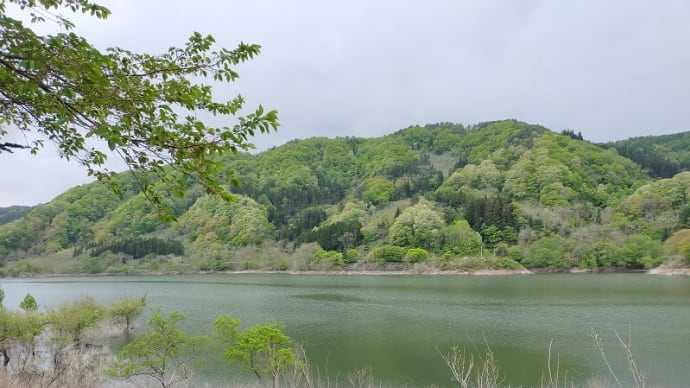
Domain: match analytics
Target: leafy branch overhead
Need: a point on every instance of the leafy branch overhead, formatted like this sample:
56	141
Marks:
148	109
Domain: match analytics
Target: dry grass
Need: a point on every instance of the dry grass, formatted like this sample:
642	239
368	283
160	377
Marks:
466	371
482	371
67	368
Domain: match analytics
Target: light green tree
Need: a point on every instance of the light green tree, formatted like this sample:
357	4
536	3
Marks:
145	108
460	238
27	327
417	226
379	191
262	349
124	311
639	251
547	252
71	320
162	351
18	332
28	304
416	255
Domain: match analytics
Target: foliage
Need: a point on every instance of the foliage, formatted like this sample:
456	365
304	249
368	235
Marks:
639	251
390	253
417	226
144	107
262	349
657	197
210	222
302	222
35	351
132	218
388	156
18	332
379	192
484	176
28	304
11	213
124	311
138	247
512	185
594	246
663	156
503	263
678	246
300	174
340	236
21	268
335	258
460	239
162	351
416	255
570	133
71	320
547	252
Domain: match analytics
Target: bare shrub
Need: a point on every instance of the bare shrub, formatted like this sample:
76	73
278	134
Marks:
467	373
638	378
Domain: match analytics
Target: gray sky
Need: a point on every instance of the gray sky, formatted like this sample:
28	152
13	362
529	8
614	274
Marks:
611	69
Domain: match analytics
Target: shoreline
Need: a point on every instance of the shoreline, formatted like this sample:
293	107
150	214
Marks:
483	272
369	272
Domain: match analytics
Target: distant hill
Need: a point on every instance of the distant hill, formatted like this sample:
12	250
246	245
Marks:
662	156
502	194
12	213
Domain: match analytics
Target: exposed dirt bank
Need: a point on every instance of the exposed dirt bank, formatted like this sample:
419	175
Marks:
669	271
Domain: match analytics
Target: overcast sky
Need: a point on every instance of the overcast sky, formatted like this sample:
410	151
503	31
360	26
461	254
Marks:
609	69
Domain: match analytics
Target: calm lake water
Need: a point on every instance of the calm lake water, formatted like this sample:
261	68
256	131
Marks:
396	325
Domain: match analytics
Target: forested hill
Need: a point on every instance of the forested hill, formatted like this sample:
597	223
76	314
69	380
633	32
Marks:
662	156
11	213
502	194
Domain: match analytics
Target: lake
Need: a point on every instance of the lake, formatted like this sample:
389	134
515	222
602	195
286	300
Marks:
398	325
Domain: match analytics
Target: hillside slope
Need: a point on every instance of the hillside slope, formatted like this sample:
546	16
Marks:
501	194
662	156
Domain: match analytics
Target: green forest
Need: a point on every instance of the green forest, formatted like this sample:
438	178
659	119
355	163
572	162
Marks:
495	195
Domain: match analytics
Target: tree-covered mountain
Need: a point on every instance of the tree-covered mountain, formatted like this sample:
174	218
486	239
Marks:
11	213
500	194
662	156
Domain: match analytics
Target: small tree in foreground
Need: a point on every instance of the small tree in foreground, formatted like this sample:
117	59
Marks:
71	320
262	349
28	326
28	304
162	351
124	311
